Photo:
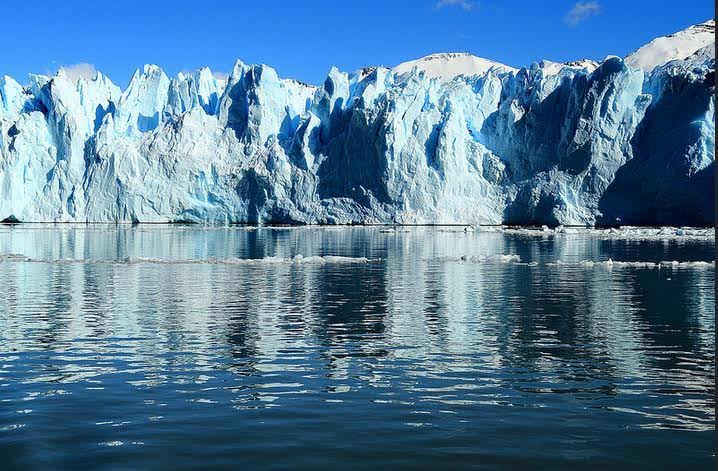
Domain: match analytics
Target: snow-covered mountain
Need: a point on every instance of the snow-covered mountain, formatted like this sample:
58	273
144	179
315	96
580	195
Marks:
447	66
575	143
679	45
553	68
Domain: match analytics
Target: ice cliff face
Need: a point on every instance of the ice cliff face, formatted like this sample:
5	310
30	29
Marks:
577	143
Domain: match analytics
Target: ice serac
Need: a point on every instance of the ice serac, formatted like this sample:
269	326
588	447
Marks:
464	141
142	106
196	89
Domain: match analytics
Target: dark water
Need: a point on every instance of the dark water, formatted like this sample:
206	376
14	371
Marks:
414	359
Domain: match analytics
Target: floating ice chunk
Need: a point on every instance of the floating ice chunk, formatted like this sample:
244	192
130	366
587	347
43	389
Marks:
611	264
626	233
500	258
272	260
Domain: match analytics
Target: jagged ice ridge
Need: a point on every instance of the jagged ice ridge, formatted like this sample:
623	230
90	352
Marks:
447	139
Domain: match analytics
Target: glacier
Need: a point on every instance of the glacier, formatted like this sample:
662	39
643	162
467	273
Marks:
449	140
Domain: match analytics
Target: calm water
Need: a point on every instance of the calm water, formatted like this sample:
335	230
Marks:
163	347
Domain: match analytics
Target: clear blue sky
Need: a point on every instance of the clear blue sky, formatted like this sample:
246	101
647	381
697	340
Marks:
303	39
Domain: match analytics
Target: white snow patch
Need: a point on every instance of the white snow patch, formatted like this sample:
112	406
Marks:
553	68
447	66
680	45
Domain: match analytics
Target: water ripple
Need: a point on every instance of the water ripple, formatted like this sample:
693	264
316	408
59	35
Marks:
418	346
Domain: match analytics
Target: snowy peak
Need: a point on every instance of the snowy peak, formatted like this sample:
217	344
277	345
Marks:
446	66
679	45
704	54
554	68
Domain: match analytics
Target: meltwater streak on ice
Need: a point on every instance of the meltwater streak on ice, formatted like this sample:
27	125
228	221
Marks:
414	359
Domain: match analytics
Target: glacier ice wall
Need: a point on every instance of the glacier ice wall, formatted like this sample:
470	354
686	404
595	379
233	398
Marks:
547	144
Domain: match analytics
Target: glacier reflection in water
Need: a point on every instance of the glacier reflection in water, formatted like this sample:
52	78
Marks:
180	346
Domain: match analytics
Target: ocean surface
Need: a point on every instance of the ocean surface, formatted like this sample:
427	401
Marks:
182	347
